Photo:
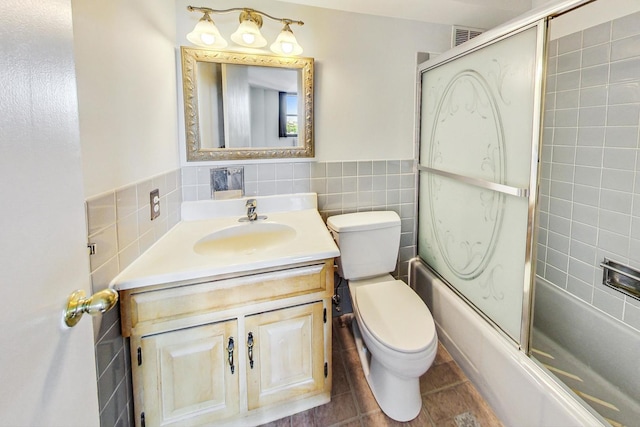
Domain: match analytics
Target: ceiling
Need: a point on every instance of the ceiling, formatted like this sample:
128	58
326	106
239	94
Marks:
484	14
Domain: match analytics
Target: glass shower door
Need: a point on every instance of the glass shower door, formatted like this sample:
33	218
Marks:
479	131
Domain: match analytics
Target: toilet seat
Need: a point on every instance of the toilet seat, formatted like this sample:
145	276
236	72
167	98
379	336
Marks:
391	312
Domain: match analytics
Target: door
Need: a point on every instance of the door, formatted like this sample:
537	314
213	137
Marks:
47	371
479	129
190	376
287	359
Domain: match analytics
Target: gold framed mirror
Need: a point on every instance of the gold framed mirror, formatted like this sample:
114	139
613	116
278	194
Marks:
240	106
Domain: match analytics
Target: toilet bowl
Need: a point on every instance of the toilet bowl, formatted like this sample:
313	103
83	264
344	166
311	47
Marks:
395	334
399	343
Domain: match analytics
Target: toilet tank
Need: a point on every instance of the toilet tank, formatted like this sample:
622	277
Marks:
368	243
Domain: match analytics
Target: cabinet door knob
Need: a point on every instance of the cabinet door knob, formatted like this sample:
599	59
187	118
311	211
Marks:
230	351
250	349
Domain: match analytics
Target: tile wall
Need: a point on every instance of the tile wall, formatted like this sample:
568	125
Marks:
119	225
590	176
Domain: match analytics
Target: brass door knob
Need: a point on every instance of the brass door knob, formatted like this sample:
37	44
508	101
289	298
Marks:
77	304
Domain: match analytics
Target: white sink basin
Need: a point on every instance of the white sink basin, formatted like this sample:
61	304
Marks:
245	238
209	242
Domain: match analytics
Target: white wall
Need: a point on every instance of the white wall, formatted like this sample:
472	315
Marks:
365	73
538	3
125	66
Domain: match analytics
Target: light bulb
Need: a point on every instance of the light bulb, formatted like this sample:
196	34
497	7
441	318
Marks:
248	34
248	38
207	39
286	43
206	34
286	47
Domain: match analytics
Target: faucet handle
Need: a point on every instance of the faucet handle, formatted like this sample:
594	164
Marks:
251	206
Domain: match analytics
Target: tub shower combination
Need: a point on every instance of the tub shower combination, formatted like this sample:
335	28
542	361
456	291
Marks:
485	127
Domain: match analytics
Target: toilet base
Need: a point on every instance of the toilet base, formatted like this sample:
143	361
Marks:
398	397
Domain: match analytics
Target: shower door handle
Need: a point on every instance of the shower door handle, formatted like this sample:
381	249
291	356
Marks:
500	188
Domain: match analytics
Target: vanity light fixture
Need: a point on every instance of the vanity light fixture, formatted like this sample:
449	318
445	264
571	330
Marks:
206	34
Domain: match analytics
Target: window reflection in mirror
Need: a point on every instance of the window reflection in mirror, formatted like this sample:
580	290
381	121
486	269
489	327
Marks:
288	114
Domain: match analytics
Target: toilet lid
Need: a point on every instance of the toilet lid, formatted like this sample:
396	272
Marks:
396	316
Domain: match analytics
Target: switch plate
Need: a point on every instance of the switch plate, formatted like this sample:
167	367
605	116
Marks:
154	202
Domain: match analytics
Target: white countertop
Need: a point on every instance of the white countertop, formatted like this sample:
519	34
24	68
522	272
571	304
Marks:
172	258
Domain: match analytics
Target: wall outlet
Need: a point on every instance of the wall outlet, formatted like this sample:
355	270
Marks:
154	202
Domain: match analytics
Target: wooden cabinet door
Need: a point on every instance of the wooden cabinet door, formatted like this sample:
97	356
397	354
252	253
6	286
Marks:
187	375
287	353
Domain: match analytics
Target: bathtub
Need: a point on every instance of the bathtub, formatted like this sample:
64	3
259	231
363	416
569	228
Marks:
594	353
520	391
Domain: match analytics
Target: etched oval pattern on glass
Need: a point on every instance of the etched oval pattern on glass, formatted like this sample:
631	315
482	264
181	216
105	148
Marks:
467	111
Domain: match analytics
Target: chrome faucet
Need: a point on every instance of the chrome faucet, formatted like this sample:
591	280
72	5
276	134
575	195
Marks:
251	206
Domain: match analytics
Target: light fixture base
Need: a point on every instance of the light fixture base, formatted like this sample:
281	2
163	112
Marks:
250	15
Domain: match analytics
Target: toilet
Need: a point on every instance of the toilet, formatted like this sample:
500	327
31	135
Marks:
395	335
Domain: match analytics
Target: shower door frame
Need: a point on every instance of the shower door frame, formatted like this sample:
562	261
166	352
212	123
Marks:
538	18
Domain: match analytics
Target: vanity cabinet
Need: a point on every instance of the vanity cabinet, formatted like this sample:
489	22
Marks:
238	350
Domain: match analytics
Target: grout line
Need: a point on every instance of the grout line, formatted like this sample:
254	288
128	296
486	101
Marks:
445	387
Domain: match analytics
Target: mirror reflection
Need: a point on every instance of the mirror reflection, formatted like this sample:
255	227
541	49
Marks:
242	106
247	106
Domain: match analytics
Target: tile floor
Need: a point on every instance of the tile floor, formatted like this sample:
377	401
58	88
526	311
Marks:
448	397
